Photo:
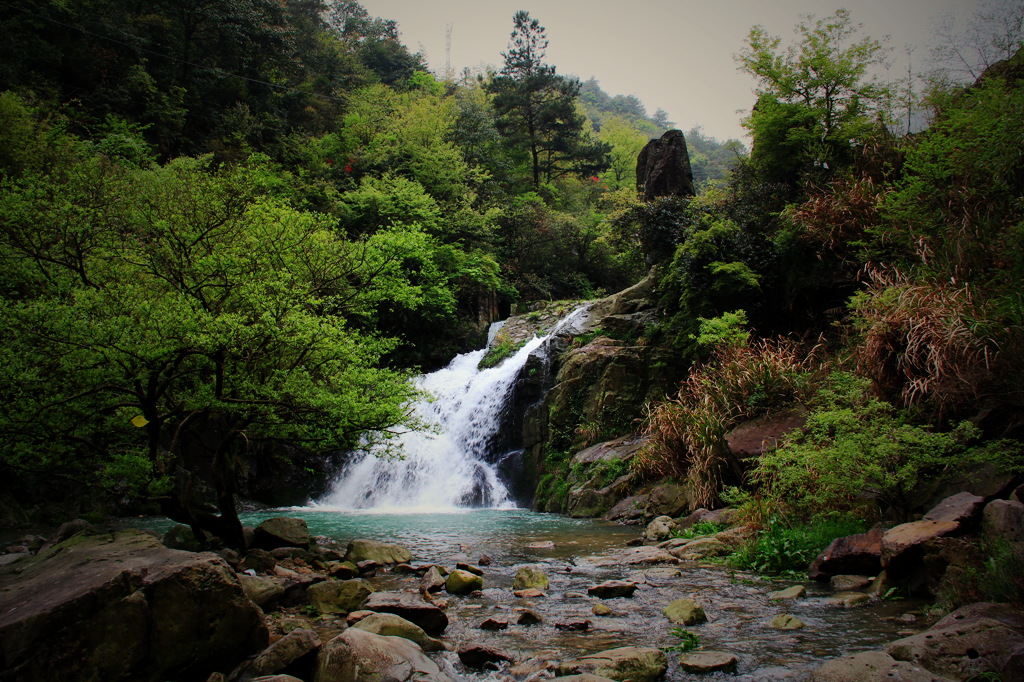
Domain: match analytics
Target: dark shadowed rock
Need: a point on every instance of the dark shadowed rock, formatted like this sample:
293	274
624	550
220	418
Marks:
281	531
390	625
1004	520
754	437
476	655
853	554
903	546
134	610
339	596
963	508
411	607
285	652
611	589
663	168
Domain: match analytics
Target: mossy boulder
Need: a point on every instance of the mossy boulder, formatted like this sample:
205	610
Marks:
626	664
685	612
339	596
463	582
379	552
528	577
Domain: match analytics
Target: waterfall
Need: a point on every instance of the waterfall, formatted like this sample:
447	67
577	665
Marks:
449	465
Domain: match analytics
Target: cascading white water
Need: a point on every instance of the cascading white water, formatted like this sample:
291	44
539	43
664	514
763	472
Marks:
444	467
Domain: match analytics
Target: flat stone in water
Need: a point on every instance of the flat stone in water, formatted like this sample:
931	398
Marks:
786	621
529	593
846	583
794	592
848	599
685	612
708	662
611	589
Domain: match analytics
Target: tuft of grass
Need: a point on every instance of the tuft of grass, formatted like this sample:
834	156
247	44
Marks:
687	640
700	529
782	549
497	353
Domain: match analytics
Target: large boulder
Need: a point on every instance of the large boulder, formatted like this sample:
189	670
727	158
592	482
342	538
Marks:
612	589
663	168
860	553
295	650
964	508
359	656
379	552
903	546
410	606
281	531
685	612
872	666
1004	520
390	625
752	438
463	582
667	499
123	607
660	528
528	577
339	596
632	664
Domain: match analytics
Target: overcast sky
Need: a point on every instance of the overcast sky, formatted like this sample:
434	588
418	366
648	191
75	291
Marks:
675	55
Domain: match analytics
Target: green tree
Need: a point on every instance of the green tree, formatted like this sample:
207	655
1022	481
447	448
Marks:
821	89
625	142
536	109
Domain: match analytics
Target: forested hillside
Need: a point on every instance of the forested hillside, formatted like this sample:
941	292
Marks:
233	224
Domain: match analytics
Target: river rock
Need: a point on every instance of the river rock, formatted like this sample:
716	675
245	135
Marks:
903	545
601	610
872	666
281	531
475	570
846	583
962	645
794	592
528	617
356	655
660	529
123	607
463	582
432	580
390	625
848	599
411	607
343	570
476	655
339	596
258	560
1003	520
667	499
701	548
528	593
963	508
611	589
627	510
636	556
381	552
281	654
860	553
494	624
630	663
685	612
573	625
530	577
265	592
786	621
702	662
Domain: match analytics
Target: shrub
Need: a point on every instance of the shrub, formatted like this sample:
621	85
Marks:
783	548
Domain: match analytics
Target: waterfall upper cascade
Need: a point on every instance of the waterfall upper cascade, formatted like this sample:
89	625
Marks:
450	465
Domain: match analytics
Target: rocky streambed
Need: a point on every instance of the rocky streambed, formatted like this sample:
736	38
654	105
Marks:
98	605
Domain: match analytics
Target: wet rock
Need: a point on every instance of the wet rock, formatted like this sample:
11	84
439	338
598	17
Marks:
660	529
380	552
281	531
123	606
294	623
432	580
848	599
411	607
463	582
258	560
339	596
265	592
528	617
469	568
635	664
872	666
667	499
611	589
1004	613
283	653
601	610
494	624
661	573
702	662
860	553
963	509
846	583
528	593
685	612
1004	520
627	510
390	625
962	645
182	537
477	656
794	592
701	548
343	570
356	655
903	545
573	625
786	621
636	556
530	577
585	677
67	531
367	568
485	560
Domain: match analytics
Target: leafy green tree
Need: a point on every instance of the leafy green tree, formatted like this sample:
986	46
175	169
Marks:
817	95
625	142
537	112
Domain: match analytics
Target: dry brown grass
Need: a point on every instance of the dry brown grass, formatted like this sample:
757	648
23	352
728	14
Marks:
686	434
924	344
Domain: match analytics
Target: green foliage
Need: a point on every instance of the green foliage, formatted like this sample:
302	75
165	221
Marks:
687	640
994	574
497	353
782	549
727	329
858	455
700	529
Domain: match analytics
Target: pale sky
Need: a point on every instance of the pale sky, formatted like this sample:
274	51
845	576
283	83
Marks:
676	55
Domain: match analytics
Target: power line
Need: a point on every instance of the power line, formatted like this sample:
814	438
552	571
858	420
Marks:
212	69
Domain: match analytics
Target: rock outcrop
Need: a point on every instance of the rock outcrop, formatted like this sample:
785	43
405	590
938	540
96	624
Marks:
663	168
135	610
